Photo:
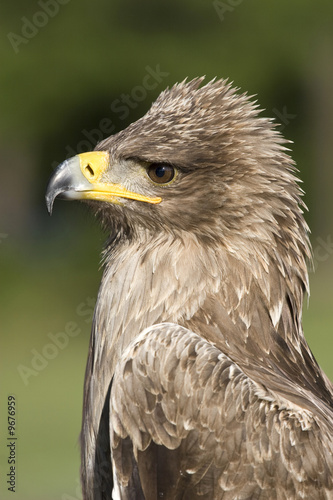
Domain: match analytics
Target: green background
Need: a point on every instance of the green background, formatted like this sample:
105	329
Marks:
62	67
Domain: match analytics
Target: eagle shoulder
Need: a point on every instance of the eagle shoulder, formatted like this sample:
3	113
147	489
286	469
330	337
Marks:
176	399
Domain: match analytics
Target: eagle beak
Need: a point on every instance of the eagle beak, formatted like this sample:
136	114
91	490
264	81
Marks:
79	178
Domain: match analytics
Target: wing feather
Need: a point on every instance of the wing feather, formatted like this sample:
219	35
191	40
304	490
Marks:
222	431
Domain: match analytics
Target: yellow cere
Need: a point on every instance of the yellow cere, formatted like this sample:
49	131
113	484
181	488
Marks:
93	165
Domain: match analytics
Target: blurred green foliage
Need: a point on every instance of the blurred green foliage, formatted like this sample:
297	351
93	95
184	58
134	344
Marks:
61	72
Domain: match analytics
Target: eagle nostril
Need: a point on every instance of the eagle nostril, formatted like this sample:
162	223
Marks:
89	171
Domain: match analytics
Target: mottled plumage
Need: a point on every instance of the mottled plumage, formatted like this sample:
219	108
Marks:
200	383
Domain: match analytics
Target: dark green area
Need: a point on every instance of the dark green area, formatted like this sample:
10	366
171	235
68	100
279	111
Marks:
61	85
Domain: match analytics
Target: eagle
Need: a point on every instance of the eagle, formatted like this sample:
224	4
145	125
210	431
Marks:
199	381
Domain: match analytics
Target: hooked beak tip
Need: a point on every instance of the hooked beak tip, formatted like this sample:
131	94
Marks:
49	199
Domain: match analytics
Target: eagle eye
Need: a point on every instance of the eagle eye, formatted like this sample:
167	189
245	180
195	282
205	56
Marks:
161	173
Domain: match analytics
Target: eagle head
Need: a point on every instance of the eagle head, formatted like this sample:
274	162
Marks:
202	162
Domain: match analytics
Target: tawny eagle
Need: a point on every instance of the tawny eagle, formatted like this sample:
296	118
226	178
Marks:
200	383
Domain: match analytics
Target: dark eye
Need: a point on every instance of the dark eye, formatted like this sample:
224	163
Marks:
161	173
